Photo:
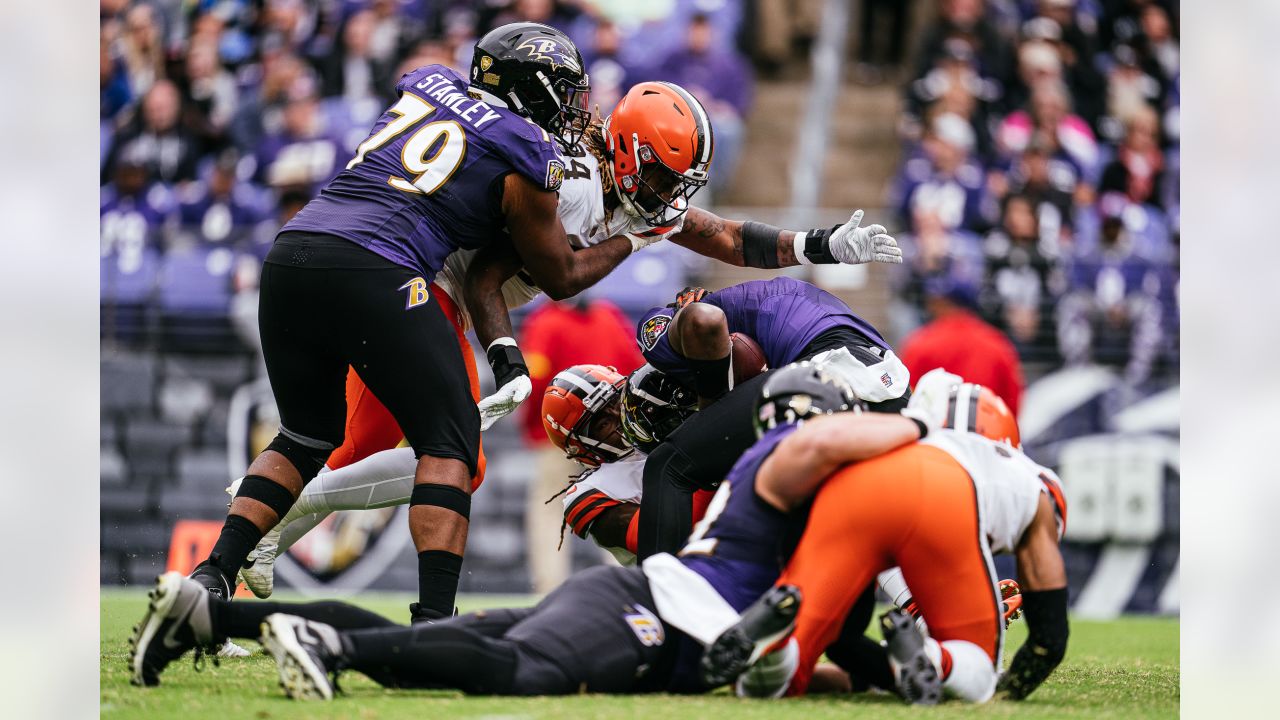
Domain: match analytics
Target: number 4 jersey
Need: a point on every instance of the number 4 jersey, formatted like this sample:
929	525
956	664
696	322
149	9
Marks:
428	180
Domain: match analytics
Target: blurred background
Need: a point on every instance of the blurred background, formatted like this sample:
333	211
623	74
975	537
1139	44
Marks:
1024	152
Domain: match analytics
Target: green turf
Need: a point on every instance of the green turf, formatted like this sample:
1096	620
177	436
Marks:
1127	669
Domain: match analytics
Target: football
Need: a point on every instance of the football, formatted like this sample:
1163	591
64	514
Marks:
748	358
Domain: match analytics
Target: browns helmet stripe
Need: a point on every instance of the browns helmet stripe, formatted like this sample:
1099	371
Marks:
706	140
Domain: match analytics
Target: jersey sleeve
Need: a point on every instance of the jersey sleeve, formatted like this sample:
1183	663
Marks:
533	154
611	485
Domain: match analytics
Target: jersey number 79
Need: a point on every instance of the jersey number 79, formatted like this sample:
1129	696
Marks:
426	174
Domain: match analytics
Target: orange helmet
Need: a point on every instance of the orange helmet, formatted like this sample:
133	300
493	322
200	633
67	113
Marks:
573	399
659	150
974	408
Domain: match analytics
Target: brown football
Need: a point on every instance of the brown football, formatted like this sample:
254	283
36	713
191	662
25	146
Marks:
748	358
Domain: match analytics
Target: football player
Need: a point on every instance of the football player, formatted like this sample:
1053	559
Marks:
938	508
346	284
633	179
636	643
791	320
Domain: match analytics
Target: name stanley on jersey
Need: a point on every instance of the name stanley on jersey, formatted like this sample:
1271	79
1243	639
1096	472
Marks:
442	90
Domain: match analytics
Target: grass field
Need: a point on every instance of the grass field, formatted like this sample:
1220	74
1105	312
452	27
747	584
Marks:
1127	669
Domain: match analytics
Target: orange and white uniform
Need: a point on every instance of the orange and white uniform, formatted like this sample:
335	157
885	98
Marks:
938	509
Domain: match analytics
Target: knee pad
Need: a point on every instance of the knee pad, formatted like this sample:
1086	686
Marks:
442	496
268	492
307	460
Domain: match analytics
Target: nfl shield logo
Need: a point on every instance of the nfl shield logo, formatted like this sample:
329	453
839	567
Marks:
886	380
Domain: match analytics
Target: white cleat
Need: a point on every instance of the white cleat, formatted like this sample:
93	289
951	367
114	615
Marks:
305	653
232	650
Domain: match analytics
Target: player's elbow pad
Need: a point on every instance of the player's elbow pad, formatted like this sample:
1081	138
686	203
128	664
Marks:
1047	630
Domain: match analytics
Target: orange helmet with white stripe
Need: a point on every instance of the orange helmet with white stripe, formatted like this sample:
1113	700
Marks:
659	148
976	409
577	407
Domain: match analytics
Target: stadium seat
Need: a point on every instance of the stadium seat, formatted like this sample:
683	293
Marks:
194	299
203	469
128	383
149	444
184	400
128	284
224	373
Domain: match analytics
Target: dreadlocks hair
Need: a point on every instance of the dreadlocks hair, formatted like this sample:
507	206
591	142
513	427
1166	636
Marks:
593	140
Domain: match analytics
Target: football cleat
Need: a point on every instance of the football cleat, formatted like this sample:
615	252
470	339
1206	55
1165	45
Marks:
306	653
761	627
914	673
178	619
1010	601
211	578
259	570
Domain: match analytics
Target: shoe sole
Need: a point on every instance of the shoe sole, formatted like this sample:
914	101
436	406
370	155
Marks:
160	601
299	676
260	584
917	678
734	651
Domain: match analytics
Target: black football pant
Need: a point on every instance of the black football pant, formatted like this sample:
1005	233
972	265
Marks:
597	632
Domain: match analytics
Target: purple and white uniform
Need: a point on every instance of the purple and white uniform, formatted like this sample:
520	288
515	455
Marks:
428	179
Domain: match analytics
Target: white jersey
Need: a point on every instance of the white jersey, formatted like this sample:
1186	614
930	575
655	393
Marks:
613	484
1008	483
581	211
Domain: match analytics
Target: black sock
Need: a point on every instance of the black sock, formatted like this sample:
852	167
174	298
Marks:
244	619
433	656
239	536
438	572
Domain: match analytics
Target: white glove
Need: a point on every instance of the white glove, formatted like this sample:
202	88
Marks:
771	675
640	242
504	401
929	400
853	245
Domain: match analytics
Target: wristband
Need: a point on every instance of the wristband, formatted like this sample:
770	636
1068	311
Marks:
506	360
813	247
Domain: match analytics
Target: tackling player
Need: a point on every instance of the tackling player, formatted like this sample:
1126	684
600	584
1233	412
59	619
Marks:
449	165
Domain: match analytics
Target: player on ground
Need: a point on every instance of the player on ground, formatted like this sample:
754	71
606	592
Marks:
346	285
635	644
938	509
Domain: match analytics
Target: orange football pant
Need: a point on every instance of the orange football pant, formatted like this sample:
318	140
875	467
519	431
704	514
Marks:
917	508
370	426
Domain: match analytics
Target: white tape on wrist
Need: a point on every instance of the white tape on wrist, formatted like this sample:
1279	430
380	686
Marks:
502	341
799	249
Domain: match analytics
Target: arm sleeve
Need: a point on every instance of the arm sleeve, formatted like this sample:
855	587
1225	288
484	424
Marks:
533	154
1047	631
582	511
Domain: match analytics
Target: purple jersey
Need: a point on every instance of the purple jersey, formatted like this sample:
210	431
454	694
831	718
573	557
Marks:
428	179
783	315
741	544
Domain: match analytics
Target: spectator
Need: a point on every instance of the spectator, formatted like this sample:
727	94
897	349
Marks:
221	210
1022	279
963	20
776	29
957	340
554	337
955	86
720	80
1049	114
1130	87
891	16
611	77
134	213
1112	311
393	29
350	70
1075	50
1138	169
945	177
1158	41
932	250
113	79
142	48
301	153
1048	183
211	93
267	89
167	150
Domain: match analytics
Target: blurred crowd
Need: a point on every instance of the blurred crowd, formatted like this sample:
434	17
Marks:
221	118
1039	184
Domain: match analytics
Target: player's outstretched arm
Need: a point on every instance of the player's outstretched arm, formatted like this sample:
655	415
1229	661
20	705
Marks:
752	244
1044	605
801	462
542	245
482	294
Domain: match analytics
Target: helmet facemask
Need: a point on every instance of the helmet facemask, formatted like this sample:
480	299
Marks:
657	193
597	437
